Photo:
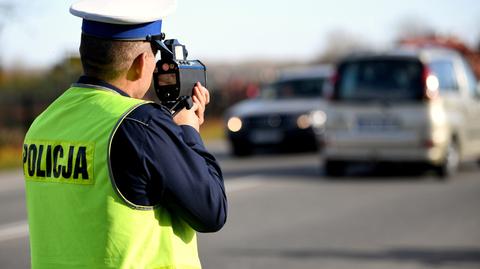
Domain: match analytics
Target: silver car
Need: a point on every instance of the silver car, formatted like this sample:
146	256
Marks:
280	115
406	106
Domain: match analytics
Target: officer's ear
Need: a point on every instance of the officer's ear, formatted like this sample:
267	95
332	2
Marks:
138	67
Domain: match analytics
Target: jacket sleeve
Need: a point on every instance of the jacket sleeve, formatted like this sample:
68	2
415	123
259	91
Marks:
171	159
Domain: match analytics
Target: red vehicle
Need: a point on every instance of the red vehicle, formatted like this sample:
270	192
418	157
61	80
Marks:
473	57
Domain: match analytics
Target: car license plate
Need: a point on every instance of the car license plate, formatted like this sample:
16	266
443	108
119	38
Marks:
266	136
379	124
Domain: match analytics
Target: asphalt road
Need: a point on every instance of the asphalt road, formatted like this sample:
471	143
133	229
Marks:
284	214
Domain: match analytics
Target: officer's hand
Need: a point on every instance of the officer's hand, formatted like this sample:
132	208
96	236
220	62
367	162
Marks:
195	116
201	97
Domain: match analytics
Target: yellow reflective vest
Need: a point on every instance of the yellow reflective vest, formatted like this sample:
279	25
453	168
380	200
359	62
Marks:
77	217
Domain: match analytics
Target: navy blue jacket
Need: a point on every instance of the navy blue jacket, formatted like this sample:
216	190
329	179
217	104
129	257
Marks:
156	162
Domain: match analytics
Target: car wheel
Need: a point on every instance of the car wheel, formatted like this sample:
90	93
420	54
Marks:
334	168
451	162
241	149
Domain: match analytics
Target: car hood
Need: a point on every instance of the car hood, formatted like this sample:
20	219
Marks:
264	107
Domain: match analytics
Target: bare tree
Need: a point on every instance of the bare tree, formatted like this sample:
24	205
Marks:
339	43
413	27
6	8
477	45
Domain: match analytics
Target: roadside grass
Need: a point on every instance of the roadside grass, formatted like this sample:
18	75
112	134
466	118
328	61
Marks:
11	156
212	129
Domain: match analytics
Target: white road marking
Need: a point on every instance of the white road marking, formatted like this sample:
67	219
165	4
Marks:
19	229
13	230
242	183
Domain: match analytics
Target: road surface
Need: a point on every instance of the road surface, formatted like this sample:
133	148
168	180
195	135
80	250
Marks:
284	214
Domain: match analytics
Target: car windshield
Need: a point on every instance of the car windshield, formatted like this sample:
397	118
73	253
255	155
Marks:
380	79
299	88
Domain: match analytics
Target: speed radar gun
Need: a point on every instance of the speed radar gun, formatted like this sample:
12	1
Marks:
175	76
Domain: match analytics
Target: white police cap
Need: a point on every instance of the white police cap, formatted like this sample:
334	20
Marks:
122	19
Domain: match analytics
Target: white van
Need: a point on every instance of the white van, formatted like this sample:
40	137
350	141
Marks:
415	106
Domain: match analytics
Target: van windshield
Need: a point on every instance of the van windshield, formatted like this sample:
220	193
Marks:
380	79
299	88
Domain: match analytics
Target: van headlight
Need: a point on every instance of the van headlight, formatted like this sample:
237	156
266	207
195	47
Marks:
318	118
234	124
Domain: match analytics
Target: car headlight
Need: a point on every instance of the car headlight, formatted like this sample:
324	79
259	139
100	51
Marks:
234	124
303	121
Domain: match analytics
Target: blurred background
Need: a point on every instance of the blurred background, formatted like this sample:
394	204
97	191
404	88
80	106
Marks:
348	131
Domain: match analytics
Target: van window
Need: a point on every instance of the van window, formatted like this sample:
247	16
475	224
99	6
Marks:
471	79
445	73
298	88
380	79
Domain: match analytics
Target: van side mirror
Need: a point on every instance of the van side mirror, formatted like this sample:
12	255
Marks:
477	90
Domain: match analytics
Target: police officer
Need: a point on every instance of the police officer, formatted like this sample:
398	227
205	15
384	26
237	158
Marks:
113	181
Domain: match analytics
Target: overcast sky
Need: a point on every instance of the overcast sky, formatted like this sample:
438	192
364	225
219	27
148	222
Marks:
39	33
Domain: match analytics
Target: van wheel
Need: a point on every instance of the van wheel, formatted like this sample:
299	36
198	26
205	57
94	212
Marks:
334	168
451	162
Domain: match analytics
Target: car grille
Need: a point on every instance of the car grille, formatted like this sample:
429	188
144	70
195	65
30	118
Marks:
271	121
